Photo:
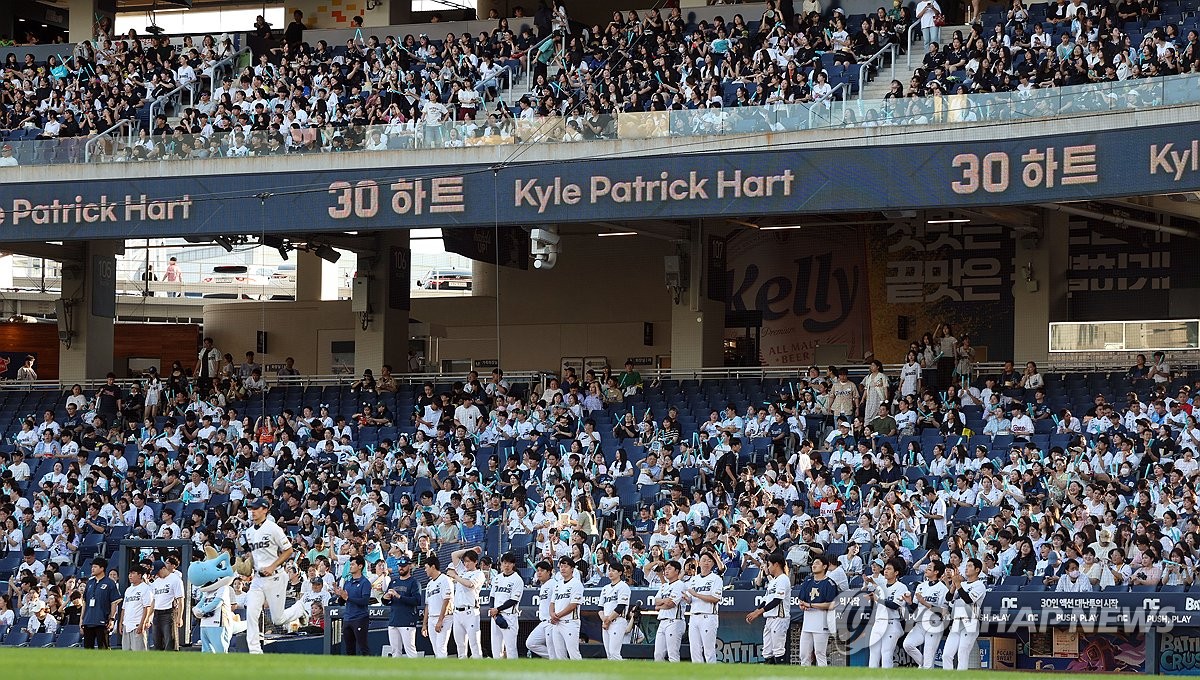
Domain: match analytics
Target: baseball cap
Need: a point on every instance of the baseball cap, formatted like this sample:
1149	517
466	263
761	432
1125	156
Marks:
158	565
7	147
259	503
403	561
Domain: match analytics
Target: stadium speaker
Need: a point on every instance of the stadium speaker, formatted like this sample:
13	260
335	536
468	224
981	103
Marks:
60	313
260	342
902	328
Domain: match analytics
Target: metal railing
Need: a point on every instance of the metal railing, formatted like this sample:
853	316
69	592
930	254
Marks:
408	380
816	109
220	67
864	68
529	59
173	97
837	112
916	26
127	124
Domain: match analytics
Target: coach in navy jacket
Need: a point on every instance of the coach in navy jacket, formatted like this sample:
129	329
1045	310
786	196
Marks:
355	617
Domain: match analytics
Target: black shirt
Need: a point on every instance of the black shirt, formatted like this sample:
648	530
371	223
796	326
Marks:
294	34
108	396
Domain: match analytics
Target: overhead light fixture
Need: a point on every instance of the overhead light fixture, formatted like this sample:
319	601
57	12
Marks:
225	243
276	243
949	220
618	233
327	252
783	227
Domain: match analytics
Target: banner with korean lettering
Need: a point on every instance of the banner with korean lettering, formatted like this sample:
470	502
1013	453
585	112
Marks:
596	183
923	274
1115	272
811	287
1072	651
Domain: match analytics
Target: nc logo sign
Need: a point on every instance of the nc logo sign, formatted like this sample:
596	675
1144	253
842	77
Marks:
1008	603
1150	603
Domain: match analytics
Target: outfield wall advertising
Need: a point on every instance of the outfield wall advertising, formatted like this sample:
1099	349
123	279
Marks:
1062	167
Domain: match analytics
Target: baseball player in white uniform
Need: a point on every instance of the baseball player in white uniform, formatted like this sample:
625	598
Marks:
438	600
564	611
965	597
269	549
668	605
541	640
468	581
929	602
776	610
704	598
614	610
887	627
507	589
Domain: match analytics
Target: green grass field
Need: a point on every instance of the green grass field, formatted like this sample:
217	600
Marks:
77	664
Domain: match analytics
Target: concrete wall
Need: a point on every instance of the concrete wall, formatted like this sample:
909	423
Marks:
593	303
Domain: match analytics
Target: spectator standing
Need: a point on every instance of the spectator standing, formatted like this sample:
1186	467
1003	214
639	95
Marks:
928	12
293	35
173	276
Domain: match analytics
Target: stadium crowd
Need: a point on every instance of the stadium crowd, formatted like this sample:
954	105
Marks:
453	90
1062	482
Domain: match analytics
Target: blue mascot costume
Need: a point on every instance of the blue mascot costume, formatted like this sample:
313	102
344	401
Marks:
215	605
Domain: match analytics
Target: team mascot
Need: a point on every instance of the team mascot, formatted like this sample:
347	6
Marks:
215	606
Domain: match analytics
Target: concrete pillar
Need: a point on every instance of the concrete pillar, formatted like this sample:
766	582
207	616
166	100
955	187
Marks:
387	304
1039	289
309	274
399	12
381	15
483	278
697	323
501	7
89	291
80	19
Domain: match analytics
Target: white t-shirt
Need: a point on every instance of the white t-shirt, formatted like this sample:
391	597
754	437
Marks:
167	590
133	606
928	20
